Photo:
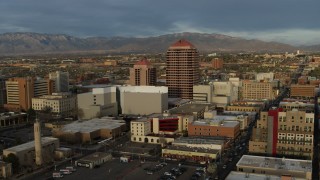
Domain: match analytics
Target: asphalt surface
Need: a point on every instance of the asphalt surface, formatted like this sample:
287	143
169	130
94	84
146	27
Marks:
133	170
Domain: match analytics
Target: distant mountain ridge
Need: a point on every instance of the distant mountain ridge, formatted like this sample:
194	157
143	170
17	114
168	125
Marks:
35	43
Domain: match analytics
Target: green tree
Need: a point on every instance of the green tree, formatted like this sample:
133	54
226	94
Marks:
31	114
14	160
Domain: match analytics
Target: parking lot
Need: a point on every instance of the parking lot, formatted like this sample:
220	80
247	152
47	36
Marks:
126	171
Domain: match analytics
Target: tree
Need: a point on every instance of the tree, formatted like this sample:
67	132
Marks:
31	114
14	160
45	113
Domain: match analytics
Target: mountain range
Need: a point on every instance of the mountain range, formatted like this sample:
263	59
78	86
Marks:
35	43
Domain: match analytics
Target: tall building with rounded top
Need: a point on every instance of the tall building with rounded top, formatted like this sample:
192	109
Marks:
143	74
182	69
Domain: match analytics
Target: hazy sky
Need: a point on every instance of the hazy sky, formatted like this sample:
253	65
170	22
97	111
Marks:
290	21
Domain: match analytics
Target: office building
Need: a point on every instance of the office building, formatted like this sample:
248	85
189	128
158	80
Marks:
143	74
61	80
216	127
257	90
62	105
283	133
290	168
302	91
217	63
182	69
100	102
130	100
159	129
20	92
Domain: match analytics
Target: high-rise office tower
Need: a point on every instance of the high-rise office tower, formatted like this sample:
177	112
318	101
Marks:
143	74
61	81
182	69
20	92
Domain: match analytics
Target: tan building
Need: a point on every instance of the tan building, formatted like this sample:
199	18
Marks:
191	154
99	102
295	168
5	170
26	152
283	133
20	92
257	90
222	128
143	100
159	129
61	104
110	63
244	108
182	69
306	91
143	74
91	130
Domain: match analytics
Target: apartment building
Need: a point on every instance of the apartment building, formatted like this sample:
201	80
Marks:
257	90
283	133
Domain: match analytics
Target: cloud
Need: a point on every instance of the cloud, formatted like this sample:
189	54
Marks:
290	21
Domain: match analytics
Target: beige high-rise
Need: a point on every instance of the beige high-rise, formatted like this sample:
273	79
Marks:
143	74
182	69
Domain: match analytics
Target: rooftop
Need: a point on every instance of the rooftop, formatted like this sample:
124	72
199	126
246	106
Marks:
92	125
216	122
188	108
251	176
193	149
182	43
95	156
30	145
11	114
199	140
144	62
276	163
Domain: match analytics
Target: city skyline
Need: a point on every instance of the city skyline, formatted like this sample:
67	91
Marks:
290	22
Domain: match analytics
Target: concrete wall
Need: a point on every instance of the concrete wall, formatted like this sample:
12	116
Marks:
143	103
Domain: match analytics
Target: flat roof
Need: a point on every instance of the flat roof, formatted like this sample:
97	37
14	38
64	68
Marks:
199	140
188	108
238	113
6	115
92	125
95	156
192	149
275	163
216	122
234	175
30	145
